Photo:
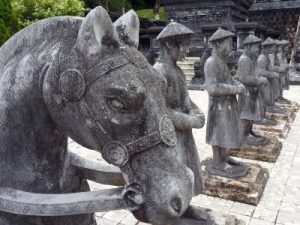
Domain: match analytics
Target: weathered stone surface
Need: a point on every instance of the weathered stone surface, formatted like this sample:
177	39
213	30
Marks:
287	116
224	126
280	130
268	152
174	40
212	217
293	106
247	189
84	78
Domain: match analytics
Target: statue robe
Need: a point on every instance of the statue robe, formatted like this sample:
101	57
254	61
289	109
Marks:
223	122
264	69
250	102
285	83
177	98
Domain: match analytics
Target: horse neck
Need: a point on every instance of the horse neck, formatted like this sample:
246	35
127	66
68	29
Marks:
31	142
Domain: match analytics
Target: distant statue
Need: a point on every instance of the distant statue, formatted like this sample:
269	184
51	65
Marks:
276	81
199	77
282	50
174	41
250	102
224	129
84	78
264	69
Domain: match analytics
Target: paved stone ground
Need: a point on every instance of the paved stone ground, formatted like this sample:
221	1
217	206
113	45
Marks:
280	203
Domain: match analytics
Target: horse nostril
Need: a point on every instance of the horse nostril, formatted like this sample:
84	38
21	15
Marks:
176	204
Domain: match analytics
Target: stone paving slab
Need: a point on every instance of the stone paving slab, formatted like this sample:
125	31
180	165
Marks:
280	202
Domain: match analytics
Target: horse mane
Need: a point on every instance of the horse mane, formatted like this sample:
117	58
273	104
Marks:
44	32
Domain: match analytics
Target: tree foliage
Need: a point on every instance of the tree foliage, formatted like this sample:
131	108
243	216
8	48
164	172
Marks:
30	11
113	5
8	21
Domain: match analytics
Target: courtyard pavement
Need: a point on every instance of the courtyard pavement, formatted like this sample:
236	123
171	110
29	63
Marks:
280	202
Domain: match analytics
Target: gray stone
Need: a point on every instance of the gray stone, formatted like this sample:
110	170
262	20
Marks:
174	41
71	76
223	123
250	102
247	189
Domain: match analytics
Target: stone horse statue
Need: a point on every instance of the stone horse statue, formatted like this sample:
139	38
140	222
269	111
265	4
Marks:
84	78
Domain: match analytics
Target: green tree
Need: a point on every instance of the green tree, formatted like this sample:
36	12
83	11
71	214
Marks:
112	5
30	11
8	21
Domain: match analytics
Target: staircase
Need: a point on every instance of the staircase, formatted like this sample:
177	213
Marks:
188	67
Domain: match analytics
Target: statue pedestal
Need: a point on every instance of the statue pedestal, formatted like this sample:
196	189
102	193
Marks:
246	189
288	116
293	106
280	130
268	152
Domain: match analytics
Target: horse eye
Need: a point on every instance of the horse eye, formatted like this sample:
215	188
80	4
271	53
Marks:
116	104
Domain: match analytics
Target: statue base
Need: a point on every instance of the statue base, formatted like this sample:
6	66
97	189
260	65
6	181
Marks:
246	189
280	130
268	152
292	106
288	116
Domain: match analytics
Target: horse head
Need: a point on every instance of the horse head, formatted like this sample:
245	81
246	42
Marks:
106	96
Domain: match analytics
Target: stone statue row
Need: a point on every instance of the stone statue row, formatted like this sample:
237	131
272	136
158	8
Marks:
262	77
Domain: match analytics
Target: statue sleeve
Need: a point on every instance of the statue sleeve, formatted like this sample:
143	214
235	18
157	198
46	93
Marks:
213	86
245	75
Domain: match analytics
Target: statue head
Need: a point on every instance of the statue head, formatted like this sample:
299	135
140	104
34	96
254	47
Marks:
252	46
222	42
103	93
174	40
286	46
269	46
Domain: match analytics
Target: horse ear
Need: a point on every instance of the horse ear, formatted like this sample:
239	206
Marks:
128	28
97	33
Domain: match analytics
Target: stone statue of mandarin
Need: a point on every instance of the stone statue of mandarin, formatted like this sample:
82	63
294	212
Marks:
224	130
250	102
282	50
276	81
174	42
264	70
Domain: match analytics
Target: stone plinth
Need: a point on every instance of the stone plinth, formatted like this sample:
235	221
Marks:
293	106
268	152
247	189
280	130
288	116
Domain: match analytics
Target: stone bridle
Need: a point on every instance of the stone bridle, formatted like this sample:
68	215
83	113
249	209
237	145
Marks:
73	86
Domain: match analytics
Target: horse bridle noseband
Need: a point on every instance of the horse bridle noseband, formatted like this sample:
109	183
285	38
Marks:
73	86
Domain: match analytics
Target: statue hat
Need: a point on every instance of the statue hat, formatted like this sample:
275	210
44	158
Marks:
268	41
284	42
251	39
174	29
220	34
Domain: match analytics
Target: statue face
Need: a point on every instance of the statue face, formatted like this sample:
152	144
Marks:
224	47
273	49
178	49
254	50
